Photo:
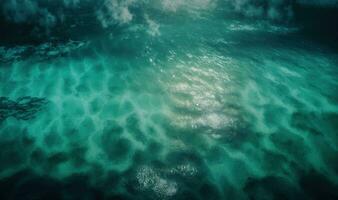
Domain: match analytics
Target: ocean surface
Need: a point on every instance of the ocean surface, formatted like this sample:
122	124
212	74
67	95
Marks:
168	100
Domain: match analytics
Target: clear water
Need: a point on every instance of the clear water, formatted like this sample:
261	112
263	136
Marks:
190	106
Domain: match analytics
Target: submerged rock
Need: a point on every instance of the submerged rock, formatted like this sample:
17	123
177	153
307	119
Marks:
24	108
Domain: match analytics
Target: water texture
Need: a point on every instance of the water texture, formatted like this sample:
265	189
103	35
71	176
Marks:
167	100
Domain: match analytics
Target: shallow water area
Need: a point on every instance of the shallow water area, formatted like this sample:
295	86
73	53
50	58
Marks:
175	106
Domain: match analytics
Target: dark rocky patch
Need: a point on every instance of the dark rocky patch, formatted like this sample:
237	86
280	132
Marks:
24	108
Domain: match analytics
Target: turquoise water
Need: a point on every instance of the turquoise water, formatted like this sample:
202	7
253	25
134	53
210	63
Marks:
191	105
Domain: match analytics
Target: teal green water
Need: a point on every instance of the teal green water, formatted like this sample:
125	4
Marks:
173	107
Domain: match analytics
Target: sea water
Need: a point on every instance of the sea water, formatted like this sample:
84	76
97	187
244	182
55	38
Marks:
191	105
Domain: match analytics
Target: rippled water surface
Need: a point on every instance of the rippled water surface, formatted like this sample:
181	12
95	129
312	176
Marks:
172	107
